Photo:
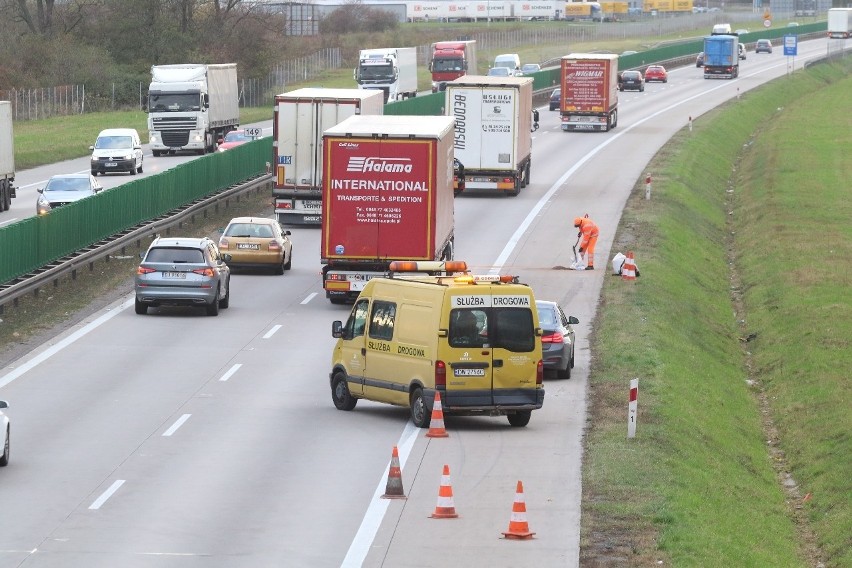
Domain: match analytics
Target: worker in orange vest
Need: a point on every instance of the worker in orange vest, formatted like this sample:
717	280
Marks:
588	230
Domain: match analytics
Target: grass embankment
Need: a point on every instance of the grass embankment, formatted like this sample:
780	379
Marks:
738	330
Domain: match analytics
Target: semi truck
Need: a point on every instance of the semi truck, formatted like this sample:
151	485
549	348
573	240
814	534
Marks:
721	57
391	70
451	60
839	23
387	195
191	106
493	142
7	156
298	120
589	99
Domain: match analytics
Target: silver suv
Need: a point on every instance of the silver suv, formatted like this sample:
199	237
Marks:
183	272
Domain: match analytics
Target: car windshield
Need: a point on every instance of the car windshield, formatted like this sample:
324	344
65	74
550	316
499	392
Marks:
499	71
114	143
249	230
68	184
175	255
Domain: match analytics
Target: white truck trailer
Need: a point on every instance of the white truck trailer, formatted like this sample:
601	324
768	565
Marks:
392	70
840	23
7	156
493	140
299	119
191	106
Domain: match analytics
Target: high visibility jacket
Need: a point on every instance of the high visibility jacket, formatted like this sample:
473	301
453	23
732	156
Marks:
589	230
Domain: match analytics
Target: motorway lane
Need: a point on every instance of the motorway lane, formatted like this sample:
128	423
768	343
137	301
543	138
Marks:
265	470
29	181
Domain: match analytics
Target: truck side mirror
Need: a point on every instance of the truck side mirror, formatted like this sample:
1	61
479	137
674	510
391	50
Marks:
206	100
535	119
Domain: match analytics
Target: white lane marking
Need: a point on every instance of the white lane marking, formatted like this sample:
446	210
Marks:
309	298
376	511
178	423
106	494
231	372
6	221
54	349
272	331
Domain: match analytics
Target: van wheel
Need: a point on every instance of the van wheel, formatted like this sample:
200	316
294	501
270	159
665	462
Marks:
420	413
343	399
520	419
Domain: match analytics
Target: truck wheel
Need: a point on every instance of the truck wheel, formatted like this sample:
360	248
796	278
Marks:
420	413
519	419
156	153
517	189
343	399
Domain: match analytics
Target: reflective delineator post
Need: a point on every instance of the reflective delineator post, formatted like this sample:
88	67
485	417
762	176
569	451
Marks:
632	407
648	187
690	124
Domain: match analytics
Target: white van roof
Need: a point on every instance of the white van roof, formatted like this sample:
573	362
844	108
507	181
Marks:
119	132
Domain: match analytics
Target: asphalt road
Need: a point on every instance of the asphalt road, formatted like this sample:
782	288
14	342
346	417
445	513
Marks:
177	439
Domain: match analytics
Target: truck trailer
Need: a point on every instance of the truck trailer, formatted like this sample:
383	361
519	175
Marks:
721	57
839	23
451	60
589	83
494	120
392	70
7	156
191	106
299	119
387	195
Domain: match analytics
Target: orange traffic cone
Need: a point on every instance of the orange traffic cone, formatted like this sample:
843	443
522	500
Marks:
393	490
518	527
436	428
628	271
445	509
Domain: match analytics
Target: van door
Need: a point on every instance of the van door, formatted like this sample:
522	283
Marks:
353	348
469	365
515	352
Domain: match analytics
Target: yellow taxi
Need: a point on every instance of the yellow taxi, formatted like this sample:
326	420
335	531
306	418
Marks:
257	242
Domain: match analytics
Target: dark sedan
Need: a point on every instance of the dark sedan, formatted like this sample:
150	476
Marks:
631	81
555	98
557	338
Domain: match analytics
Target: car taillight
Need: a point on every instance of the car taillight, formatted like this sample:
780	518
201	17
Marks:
144	270
223	243
554	337
205	272
273	245
440	374
539	373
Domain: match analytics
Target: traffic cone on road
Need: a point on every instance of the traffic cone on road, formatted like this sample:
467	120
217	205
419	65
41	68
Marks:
518	527
393	490
628	271
436	426
445	509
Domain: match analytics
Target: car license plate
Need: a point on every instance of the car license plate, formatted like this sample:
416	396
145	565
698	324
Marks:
174	274
249	246
110	164
469	372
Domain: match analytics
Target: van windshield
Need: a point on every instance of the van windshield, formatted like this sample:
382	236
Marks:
114	143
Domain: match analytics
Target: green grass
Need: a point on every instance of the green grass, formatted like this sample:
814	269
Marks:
698	486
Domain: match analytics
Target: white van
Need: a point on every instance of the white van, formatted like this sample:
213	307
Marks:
117	150
510	60
721	29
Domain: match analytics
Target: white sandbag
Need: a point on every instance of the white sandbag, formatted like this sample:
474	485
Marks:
617	263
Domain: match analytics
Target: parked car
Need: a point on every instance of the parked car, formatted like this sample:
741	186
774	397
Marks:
656	73
64	189
528	69
236	138
183	271
6	430
631	80
741	50
257	242
117	150
763	46
555	98
500	72
699	60
557	338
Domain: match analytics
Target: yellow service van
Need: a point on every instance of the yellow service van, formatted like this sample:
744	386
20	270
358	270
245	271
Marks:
475	339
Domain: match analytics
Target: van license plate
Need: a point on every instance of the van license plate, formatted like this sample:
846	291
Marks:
110	164
469	372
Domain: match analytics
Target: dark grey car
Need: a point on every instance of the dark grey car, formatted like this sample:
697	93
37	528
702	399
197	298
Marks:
631	81
183	272
557	338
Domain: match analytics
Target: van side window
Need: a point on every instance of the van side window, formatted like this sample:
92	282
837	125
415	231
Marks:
468	328
357	319
513	329
381	323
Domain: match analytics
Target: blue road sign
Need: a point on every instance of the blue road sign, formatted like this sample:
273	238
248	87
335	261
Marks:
791	44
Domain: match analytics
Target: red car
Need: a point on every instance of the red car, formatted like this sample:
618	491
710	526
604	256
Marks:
656	73
238	137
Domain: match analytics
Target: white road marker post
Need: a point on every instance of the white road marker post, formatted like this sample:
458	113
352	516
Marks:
690	124
631	408
648	187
